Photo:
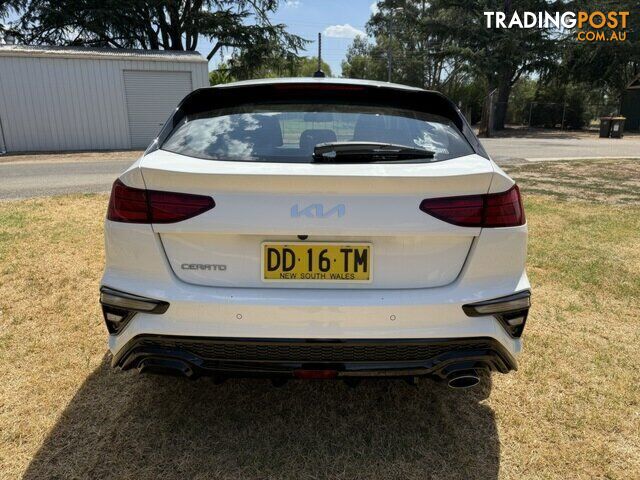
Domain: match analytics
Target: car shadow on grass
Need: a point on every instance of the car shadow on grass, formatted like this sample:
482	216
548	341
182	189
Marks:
126	425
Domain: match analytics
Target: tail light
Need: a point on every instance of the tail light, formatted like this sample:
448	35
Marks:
488	211
135	205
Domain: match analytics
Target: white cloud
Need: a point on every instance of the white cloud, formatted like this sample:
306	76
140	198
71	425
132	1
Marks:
292	3
374	7
343	31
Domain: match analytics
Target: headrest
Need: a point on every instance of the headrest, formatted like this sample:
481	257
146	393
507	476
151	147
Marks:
369	127
268	132
310	138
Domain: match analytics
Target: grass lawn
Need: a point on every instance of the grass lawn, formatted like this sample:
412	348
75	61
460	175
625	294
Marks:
571	411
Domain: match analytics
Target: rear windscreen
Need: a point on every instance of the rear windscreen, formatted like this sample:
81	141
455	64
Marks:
289	133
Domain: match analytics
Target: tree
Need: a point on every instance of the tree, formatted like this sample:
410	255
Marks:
7	7
424	54
155	24
501	55
445	45
364	60
607	66
236	69
307	66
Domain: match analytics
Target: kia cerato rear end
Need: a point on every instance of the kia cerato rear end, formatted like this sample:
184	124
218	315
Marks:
316	228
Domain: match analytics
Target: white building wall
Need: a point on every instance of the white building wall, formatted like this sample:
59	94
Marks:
58	103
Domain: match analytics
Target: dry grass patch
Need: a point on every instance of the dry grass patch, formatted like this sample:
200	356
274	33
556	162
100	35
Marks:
571	411
605	181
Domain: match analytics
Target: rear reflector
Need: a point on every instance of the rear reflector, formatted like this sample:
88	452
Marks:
135	205
118	308
512	303
488	211
511	311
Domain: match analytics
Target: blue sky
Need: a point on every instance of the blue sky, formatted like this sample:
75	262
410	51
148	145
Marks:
338	21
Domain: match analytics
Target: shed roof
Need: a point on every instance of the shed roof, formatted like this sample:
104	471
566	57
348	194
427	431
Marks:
101	53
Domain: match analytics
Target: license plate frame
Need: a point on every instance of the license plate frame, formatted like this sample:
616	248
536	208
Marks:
282	244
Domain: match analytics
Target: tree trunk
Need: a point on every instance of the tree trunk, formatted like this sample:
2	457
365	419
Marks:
504	87
485	128
502	101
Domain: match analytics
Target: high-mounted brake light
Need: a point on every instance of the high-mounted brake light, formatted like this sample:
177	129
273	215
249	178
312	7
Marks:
488	211
317	86
135	205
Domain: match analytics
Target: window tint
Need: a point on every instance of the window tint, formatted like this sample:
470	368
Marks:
288	133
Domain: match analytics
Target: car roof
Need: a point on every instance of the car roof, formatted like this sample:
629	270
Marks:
319	81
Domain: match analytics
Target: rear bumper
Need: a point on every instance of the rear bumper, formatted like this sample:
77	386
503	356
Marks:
494	268
241	357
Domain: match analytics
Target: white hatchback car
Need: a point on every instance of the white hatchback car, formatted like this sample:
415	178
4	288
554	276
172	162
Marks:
316	228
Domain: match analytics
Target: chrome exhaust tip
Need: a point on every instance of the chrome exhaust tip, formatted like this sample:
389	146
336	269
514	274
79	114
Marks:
466	379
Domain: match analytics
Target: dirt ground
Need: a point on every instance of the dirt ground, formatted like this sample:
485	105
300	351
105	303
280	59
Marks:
611	181
65	157
514	131
572	410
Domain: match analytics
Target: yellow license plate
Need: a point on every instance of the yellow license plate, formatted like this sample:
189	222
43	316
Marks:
316	262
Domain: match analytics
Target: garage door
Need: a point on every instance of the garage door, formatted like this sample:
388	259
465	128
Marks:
151	97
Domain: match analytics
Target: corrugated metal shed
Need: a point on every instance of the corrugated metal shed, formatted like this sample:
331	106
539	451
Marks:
74	98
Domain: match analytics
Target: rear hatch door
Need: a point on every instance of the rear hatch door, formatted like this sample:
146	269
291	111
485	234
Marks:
349	204
250	147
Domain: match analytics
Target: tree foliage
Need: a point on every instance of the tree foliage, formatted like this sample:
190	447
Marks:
155	24
606	66
8	7
502	56
307	66
235	69
364	60
445	45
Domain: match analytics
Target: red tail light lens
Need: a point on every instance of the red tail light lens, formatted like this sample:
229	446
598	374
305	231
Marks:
127	204
168	207
488	211
464	211
135	205
504	209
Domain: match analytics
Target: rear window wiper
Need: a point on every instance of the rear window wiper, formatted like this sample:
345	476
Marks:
365	152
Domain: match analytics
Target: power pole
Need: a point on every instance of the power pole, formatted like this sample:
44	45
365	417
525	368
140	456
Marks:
389	46
425	49
392	13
